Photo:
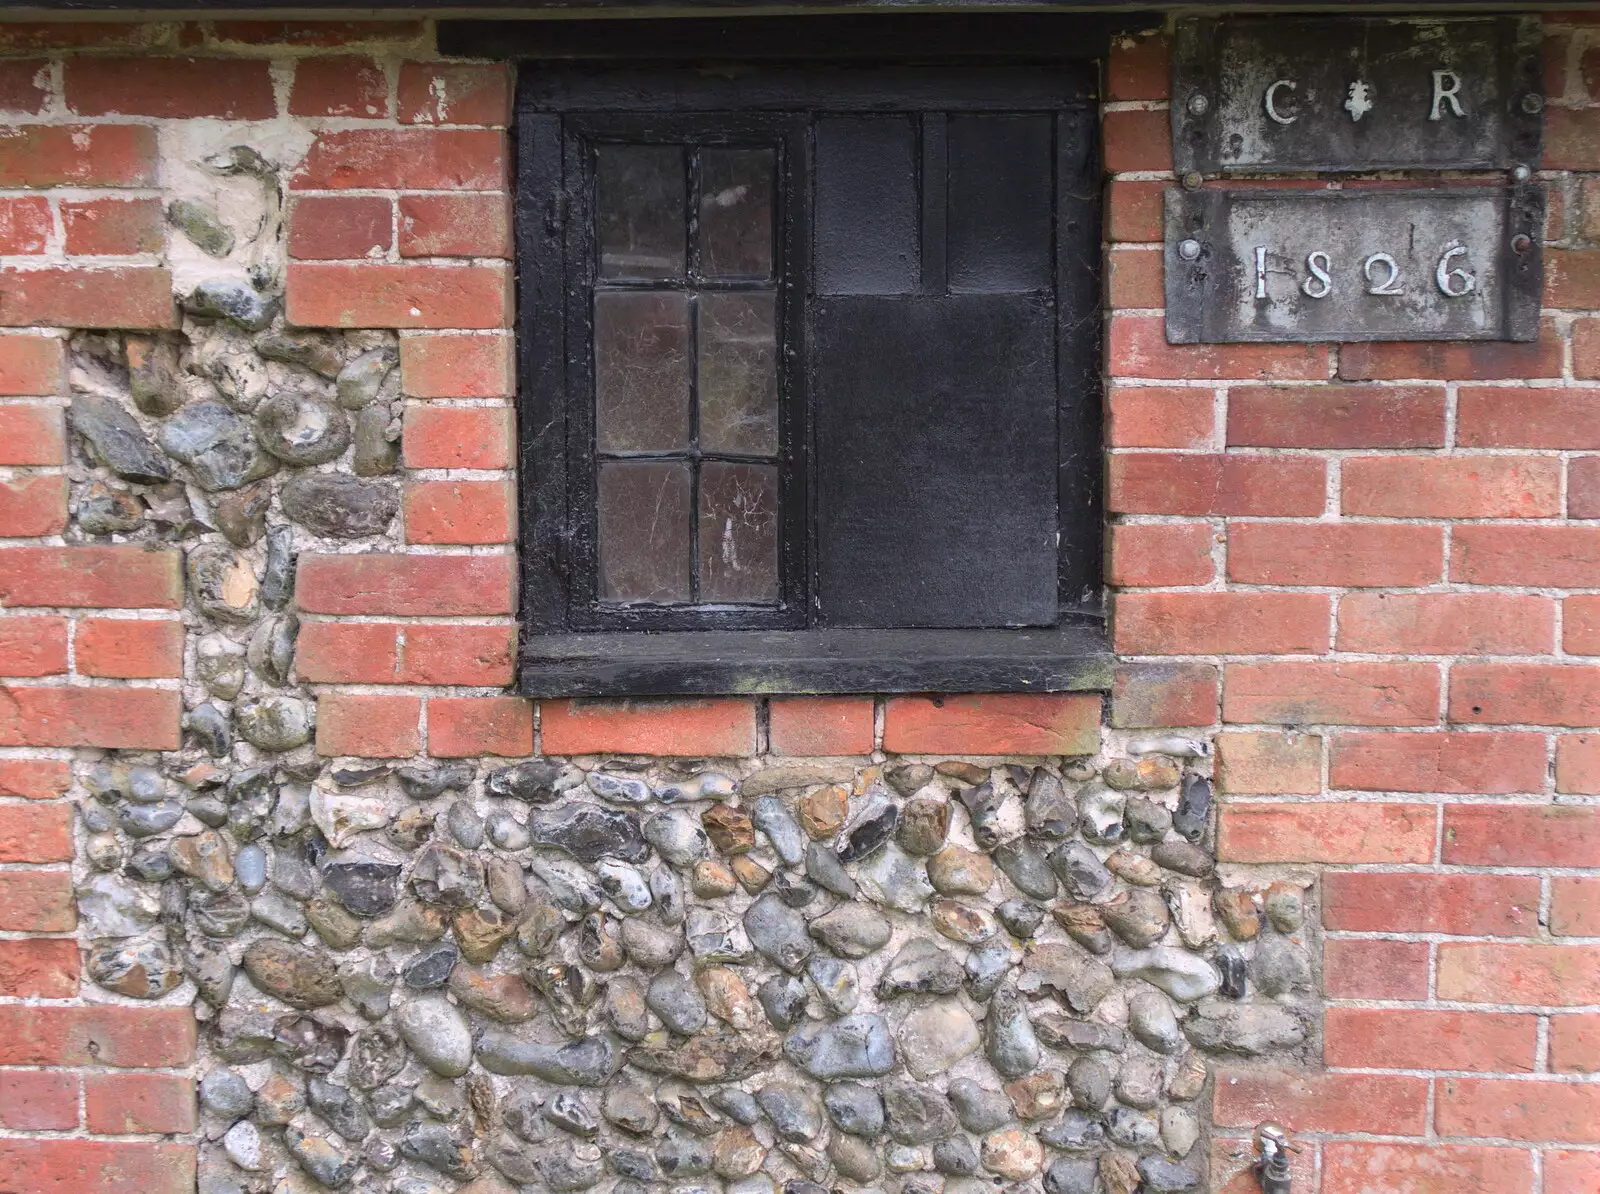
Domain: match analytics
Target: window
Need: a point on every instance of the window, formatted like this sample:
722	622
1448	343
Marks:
810	379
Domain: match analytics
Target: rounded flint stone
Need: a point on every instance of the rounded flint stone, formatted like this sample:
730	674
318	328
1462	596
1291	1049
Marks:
589	1062
300	428
431	968
365	888
858	1046
1008	1037
855	1109
778	932
590	833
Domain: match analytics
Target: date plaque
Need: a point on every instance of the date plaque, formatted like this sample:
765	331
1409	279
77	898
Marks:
1354	94
1259	264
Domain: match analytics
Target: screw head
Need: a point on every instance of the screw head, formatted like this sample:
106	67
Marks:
1192	180
1521	242
1521	174
1199	105
1533	103
1189	249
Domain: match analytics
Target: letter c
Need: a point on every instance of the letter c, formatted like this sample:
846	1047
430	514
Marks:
1270	100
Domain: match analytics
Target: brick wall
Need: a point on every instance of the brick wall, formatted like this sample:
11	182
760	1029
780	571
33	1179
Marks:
1365	566
1361	568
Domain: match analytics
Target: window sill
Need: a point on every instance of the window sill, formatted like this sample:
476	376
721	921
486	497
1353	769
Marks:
1067	658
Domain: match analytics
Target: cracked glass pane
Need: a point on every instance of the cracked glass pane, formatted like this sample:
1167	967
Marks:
640	200
738	532
738	374
641	370
644	531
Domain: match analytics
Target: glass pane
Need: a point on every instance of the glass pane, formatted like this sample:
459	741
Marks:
644	531
738	532
736	213
738	374
640	211
641	370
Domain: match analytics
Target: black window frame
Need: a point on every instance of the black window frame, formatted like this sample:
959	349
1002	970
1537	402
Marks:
568	650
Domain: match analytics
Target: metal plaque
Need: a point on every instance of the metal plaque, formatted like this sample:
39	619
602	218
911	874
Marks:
1353	94
1449	263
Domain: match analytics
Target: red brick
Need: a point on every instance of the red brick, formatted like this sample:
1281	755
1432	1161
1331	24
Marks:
1375	969
1322	553
129	649
1285	692
40	967
1446	623
1160	554
1578	764
1452	487
1519	1110
1583	487
347	653
31	434
1135	278
97	1166
1572	139
1432	1168
1391	1104
339	85
1524	693
1136	140
459	512
454	93
82	35
37	902
1466	905
399	296
408	586
1572	276
715	727
450	654
30	366
126	718
125	1037
239	89
820	725
1522	835
35	833
1571	1172
33	646
1586	348
455	226
125	577
24	85
993	724
1134	210
1139	68
460	727
1439	360
1161	695
1544	556
1326	832
123	1104
78	155
1417	1039
1336	416
1575	906
1159	417
33	505
25	224
1520	417
1269	764
129	296
1173	483
1534	974
1138	348
456	366
38	1100
35	779
457	436
316	33
1575	1044
332	227
1220	623
371	727
116	227
1492	764
414	159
